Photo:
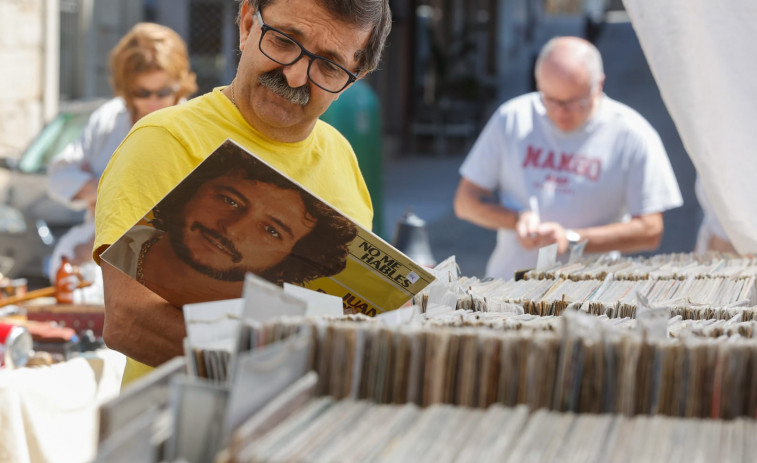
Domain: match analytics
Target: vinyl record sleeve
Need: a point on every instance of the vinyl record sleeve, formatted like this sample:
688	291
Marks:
235	214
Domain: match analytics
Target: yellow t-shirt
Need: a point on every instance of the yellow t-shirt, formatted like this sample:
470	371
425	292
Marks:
165	146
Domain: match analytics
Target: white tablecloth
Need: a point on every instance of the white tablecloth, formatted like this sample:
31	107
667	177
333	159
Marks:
49	414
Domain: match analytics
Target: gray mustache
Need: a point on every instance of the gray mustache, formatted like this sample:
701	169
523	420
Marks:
276	81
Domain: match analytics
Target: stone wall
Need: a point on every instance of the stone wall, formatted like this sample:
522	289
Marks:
21	74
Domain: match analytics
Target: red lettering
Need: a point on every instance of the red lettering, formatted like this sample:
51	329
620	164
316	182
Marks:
560	181
566	161
532	157
590	168
550	161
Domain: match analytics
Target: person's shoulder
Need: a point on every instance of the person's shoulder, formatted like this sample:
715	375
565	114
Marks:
181	121
524	102
325	128
325	132
109	111
113	105
519	107
632	127
623	114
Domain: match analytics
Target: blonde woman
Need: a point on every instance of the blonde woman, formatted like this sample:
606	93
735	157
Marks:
150	70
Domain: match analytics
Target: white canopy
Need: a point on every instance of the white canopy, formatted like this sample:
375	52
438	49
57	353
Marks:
703	56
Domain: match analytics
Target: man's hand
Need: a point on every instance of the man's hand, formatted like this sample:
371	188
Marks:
552	232
88	194
527	229
138	322
641	233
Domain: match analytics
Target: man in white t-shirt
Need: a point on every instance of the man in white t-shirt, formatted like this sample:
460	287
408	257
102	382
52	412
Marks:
568	164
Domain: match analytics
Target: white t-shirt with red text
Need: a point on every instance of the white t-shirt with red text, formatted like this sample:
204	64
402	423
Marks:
610	169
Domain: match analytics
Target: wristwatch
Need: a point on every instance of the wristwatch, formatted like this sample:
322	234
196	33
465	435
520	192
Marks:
573	238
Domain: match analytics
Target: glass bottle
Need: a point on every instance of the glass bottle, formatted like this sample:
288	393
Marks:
65	282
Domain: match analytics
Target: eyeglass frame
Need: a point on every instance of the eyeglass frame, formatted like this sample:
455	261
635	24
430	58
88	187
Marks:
572	105
303	51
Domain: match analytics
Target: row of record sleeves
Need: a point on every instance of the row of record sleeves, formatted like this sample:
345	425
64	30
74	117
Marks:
462	351
328	430
616	288
571	363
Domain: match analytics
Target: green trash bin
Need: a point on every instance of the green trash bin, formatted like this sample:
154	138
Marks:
357	115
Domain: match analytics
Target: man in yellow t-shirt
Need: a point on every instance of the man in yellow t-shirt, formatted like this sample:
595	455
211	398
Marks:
231	216
290	71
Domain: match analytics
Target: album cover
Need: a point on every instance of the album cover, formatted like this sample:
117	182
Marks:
235	214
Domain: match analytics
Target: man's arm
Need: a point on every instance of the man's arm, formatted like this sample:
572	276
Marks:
88	194
139	323
641	233
479	206
68	178
476	205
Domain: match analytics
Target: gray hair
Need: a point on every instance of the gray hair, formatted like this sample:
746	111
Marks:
583	51
362	13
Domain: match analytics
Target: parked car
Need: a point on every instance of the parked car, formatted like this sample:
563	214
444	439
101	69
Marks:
31	221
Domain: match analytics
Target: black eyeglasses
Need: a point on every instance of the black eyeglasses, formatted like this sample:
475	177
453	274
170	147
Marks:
283	49
163	92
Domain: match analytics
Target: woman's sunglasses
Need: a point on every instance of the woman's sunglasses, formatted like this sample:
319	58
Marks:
163	92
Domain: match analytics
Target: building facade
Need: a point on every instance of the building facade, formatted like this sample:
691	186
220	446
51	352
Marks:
447	65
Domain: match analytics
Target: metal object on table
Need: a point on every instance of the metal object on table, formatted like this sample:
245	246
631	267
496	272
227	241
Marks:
411	238
15	345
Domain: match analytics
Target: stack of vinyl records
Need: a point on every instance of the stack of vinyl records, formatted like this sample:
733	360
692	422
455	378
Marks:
682	282
325	430
639	359
575	364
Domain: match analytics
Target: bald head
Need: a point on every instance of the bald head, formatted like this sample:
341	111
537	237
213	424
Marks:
572	59
570	80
